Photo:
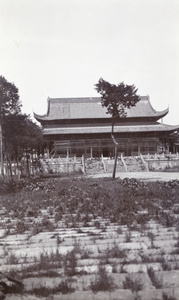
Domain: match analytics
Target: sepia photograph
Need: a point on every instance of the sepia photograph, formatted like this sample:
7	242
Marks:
89	150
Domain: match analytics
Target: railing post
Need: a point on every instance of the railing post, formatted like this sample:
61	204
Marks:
83	163
123	161
144	162
104	166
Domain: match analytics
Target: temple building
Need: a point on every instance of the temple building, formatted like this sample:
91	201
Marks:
76	126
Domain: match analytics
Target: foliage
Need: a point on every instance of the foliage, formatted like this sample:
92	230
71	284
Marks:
156	280
64	288
115	252
70	263
103	282
9	104
116	97
134	285
21	135
168	297
15	289
9	98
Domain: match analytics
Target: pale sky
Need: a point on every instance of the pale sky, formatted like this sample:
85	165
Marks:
60	48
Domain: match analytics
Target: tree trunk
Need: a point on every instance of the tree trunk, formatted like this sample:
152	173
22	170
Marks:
8	160
115	149
115	161
10	167
27	163
1	153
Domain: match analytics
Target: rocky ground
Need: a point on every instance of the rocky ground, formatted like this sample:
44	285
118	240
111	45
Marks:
84	238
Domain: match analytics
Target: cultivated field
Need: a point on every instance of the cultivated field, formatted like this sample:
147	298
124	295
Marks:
83	238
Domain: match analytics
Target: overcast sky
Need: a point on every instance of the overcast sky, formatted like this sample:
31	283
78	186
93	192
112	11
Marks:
60	48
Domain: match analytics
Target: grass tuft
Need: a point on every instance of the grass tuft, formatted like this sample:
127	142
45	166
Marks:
43	291
132	284
103	281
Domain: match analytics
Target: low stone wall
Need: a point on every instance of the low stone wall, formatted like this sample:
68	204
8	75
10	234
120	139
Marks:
160	163
59	166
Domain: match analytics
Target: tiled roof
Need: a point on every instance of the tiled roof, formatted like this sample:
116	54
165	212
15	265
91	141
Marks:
91	108
157	127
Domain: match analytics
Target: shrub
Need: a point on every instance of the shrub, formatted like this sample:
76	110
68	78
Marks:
151	237
132	284
167	297
70	263
47	261
103	282
21	226
128	237
85	253
12	259
166	266
44	291
156	280
97	224
115	252
119	230
122	267
175	251
15	288
64	287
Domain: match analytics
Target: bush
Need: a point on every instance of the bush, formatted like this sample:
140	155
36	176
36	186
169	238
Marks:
70	263
103	282
167	297
156	280
44	291
134	285
115	252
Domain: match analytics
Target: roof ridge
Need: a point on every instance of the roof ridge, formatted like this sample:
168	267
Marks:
89	97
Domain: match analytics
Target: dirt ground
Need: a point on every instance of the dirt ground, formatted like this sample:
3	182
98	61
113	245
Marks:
148	176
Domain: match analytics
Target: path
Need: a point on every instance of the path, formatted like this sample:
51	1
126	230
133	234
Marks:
152	176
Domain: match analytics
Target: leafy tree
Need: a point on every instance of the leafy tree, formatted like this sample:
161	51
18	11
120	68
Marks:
22	137
116	98
32	138
9	98
9	104
19	134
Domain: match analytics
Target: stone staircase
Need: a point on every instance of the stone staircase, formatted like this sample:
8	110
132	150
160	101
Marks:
109	165
134	164
93	166
61	165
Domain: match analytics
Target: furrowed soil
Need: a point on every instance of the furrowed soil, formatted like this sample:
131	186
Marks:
84	238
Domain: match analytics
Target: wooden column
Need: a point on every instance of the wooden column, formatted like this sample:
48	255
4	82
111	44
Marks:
48	150
67	153
138	146
1	153
91	152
